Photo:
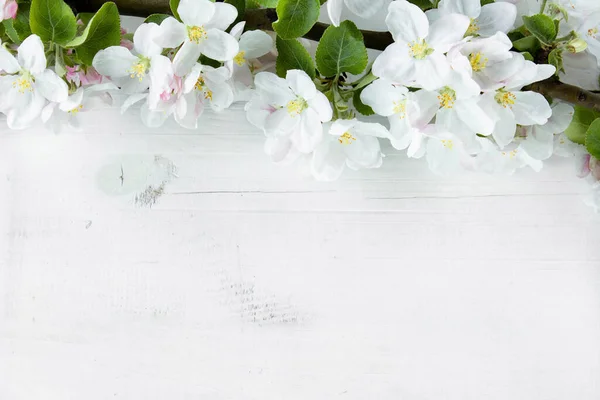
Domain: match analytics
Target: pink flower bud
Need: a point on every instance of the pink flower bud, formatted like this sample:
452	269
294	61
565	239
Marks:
10	9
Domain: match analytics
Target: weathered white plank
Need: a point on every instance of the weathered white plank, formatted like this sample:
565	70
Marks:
244	280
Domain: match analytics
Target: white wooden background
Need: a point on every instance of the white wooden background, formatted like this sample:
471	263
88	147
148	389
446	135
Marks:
247	281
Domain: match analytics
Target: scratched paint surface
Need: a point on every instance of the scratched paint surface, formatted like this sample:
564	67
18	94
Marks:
168	264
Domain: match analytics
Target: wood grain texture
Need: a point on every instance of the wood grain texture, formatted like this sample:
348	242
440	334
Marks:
244	280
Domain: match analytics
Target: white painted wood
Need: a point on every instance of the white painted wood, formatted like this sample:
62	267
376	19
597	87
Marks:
250	281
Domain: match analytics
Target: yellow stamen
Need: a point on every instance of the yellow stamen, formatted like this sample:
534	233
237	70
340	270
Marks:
448	143
200	84
76	109
196	33
505	99
473	28
346	139
239	58
208	95
478	61
511	154
139	69
23	84
592	32
447	97
419	49
400	108
295	107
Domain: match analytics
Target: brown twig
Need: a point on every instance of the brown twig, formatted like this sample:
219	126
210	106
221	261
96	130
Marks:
263	19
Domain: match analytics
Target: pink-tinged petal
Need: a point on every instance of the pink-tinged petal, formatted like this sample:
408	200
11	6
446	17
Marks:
196	12
334	10
31	55
406	21
219	45
172	33
10	9
51	86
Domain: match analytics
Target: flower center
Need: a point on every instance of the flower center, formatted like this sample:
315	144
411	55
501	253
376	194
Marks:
346	139
473	28
201	86
400	108
478	61
448	143
139	69
239	58
592	32
76	109
511	154
24	82
419	49
505	99
295	107
447	97
196	33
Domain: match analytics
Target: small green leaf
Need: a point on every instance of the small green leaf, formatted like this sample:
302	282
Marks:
530	44
527	55
542	27
359	105
486	2
209	61
292	55
422	4
582	119
21	23
341	49
240	6
156	18
296	17
592	139
103	30
52	20
555	58
174	4
10	31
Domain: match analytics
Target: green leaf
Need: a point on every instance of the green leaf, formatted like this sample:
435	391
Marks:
592	139
296	17
156	18
174	4
542	27
486	2
240	6
10	31
52	20
530	44
21	23
85	17
292	55
209	61
359	105
555	58
527	55
341	49
422	4
582	119
103	30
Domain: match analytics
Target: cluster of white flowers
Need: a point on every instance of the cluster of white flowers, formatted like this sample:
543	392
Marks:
450	85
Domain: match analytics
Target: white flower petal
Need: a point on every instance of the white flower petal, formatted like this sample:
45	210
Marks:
131	100
539	143
341	126
115	62
255	44
309	132
334	9
474	117
281	150
406	21
531	108
422	107
364	8
562	115
280	123
395	64
51	86
23	117
321	105
432	72
470	8
219	45
172	33
505	128
153	119
224	16
73	101
222	96
301	84
384	97
186	58
47	112
238	30
196	12
496	17
31	55
328	160
373	129
144	40
364	152
8	62
447	31
275	89
257	111
400	132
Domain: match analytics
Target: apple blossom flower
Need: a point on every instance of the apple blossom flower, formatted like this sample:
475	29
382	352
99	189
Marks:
350	143
416	58
202	31
362	8
485	20
252	45
290	111
135	70
26	83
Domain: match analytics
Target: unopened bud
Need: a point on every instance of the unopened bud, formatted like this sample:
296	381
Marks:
577	45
